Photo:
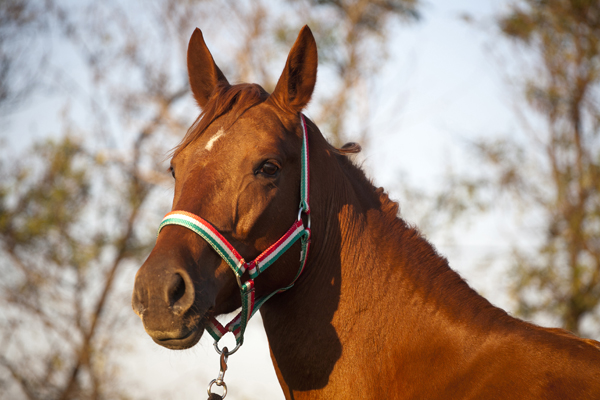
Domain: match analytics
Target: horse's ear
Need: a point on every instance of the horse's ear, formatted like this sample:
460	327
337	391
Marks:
297	81
203	72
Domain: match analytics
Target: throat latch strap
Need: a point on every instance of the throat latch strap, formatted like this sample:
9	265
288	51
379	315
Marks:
255	267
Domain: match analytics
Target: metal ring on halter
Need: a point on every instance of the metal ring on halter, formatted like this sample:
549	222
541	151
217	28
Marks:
221	383
228	352
300	216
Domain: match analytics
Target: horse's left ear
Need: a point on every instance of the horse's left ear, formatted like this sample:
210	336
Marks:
297	81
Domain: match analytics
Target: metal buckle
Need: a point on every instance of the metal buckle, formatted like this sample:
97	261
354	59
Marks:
239	281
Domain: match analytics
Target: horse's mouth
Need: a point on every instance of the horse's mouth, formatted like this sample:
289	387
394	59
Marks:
183	340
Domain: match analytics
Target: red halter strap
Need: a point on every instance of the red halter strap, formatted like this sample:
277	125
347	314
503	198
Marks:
236	262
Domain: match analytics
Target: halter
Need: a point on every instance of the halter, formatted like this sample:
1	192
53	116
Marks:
255	267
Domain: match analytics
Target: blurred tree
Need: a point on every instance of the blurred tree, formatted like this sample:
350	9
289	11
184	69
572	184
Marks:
20	22
61	254
559	169
552	172
74	214
78	211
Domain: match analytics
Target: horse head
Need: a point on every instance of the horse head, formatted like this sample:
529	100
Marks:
238	168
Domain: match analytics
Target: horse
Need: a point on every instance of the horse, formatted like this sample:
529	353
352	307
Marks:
373	311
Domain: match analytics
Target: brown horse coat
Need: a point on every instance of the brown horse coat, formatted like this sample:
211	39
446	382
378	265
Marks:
378	313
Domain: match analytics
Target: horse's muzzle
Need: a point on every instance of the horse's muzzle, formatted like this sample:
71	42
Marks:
164	298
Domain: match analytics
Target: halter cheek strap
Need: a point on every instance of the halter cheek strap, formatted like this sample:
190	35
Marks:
255	267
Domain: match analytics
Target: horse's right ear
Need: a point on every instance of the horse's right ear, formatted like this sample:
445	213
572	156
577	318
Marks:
204	74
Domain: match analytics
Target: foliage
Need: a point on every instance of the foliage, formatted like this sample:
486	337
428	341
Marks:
19	20
550	177
563	276
58	269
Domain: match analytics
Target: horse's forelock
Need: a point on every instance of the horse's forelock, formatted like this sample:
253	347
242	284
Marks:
236	98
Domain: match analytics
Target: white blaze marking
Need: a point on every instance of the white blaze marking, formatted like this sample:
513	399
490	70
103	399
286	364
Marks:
212	140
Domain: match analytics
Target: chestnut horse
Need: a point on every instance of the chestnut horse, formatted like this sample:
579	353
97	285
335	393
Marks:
377	313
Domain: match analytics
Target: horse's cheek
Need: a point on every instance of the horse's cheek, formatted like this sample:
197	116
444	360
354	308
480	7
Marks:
252	205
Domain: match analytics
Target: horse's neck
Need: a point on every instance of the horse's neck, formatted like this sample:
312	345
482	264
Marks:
371	284
392	278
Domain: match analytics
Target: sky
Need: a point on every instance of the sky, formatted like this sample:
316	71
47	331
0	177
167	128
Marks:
452	92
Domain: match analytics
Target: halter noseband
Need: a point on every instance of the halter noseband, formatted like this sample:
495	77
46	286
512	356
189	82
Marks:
237	263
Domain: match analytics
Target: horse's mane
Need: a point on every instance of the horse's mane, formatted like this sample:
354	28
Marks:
427	264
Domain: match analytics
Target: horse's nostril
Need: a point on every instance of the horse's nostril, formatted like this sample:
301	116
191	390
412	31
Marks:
180	293
176	289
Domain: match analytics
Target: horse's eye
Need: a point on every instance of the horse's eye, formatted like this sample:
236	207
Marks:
172	171
269	169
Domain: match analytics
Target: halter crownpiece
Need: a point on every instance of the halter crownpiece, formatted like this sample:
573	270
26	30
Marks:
255	267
